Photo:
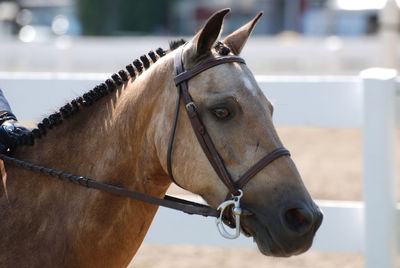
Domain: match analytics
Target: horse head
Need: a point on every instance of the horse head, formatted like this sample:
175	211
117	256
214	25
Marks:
279	213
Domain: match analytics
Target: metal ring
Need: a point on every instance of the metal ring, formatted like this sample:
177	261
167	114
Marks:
237	211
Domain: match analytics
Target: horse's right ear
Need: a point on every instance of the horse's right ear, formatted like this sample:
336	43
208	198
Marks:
205	39
236	40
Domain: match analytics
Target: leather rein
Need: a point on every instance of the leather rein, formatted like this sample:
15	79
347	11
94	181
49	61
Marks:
181	81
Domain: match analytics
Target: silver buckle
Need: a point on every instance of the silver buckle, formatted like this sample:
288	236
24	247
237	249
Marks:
237	211
191	104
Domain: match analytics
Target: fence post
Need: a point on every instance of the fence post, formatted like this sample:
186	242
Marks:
379	171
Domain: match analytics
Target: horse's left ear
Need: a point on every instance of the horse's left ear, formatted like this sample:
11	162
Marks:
206	37
236	40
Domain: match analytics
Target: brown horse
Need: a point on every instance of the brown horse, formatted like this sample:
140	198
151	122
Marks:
122	138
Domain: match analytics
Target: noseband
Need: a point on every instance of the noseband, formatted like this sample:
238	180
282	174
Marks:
235	188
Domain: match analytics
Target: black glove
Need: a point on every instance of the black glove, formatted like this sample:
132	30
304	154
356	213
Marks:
12	133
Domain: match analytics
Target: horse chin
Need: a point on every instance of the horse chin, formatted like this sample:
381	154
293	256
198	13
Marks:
266	242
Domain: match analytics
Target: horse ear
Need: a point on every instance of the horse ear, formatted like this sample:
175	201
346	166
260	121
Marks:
207	36
236	40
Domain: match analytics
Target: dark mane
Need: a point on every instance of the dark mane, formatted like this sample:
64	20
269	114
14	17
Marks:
176	43
117	79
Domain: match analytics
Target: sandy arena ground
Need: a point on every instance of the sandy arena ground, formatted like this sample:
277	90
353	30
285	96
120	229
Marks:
330	163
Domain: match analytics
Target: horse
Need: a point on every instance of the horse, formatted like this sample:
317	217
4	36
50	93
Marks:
120	134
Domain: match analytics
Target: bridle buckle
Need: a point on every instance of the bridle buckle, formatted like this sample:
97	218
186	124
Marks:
190	104
236	211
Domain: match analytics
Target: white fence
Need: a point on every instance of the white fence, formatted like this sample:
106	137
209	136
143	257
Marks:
368	102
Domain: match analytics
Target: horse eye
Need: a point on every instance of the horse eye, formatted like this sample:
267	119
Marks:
221	113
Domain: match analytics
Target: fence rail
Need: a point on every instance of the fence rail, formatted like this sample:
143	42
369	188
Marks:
368	102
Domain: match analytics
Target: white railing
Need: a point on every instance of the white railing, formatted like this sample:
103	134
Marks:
367	102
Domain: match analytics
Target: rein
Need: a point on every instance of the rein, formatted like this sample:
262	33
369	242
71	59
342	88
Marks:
206	143
168	201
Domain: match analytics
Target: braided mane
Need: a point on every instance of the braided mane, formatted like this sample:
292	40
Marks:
133	70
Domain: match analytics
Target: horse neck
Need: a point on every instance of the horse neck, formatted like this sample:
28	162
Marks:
111	141
115	134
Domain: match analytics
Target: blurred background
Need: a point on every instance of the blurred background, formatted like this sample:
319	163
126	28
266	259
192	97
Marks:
292	37
316	40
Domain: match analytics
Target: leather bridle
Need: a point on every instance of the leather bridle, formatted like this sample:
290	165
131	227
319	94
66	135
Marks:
235	188
205	141
181	80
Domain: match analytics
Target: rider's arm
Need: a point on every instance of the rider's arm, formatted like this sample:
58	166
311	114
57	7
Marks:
11	130
4	106
5	109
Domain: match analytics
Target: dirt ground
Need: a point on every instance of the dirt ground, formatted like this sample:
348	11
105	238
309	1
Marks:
329	161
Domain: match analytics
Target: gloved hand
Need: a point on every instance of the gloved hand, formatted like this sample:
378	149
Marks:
12	133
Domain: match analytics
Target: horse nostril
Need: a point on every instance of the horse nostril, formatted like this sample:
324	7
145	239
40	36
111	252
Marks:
298	220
